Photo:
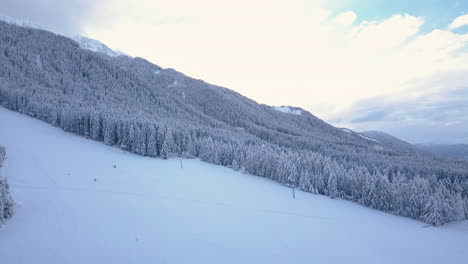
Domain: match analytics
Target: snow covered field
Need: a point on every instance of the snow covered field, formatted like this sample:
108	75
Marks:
73	206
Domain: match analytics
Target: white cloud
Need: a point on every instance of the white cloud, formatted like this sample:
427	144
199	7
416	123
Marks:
283	52
433	110
459	22
386	34
346	18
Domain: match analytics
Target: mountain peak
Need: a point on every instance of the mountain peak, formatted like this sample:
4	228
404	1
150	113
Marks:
84	42
96	46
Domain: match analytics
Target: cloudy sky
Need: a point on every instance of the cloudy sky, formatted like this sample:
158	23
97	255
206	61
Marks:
396	66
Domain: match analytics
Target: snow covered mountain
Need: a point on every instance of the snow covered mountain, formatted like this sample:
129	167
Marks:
84	42
79	201
137	106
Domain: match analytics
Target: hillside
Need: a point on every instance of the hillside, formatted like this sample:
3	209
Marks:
74	206
145	109
393	142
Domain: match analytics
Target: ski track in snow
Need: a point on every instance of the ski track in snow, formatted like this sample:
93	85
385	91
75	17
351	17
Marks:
150	210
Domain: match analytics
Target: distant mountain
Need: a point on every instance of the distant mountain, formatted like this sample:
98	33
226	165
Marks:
449	150
392	142
140	107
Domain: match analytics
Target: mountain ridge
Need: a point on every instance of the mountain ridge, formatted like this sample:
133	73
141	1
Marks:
84	42
448	150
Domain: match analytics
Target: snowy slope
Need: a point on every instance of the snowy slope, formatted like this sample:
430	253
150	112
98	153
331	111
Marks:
368	138
96	46
349	131
287	110
152	211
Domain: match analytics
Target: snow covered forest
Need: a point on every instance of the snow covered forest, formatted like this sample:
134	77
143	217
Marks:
142	108
6	203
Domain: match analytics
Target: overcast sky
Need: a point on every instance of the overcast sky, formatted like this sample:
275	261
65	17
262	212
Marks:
395	66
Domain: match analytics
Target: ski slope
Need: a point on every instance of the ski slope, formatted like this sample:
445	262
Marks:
73	206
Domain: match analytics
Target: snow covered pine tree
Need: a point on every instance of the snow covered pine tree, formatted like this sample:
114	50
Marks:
6	203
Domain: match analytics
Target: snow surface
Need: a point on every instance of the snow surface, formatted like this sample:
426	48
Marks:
347	130
150	210
287	110
96	46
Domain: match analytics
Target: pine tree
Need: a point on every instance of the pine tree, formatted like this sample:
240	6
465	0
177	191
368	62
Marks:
332	185
152	142
318	183
304	181
292	175
433	211
6	203
465	205
235	165
381	196
167	145
2	155
458	208
109	131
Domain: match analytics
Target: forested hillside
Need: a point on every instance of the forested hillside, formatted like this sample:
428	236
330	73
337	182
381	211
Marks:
142	108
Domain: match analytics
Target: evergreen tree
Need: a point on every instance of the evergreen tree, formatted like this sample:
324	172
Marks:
6	202
153	142
167	145
434	211
332	185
